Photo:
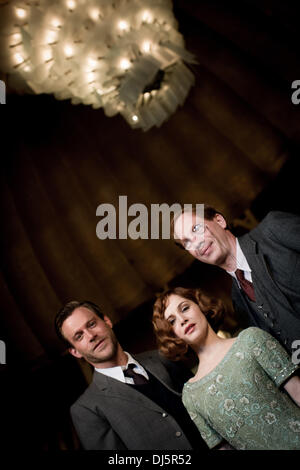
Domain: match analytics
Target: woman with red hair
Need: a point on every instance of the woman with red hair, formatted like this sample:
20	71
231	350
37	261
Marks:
244	394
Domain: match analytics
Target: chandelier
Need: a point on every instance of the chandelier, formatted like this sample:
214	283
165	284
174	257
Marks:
125	56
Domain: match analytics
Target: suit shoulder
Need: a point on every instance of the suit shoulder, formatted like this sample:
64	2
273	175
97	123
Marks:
148	354
274	224
276	218
272	218
171	366
85	399
154	355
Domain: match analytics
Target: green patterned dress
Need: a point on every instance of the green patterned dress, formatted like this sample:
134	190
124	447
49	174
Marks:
240	401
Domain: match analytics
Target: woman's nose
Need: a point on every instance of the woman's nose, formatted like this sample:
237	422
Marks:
183	320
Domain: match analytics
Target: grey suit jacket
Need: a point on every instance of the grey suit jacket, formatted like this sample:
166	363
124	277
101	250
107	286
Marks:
272	250
111	415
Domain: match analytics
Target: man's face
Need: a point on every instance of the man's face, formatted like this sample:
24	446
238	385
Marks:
91	337
204	239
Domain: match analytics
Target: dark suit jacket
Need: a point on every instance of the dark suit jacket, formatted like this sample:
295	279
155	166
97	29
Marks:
272	250
111	415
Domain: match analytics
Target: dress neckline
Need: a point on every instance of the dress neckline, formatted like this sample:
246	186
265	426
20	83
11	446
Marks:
215	369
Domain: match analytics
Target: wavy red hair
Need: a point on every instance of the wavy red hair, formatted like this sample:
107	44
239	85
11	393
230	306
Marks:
168	344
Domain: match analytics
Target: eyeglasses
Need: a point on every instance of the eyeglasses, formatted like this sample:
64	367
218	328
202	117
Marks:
199	229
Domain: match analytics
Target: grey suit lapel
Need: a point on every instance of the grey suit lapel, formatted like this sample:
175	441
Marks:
257	264
262	278
116	389
159	371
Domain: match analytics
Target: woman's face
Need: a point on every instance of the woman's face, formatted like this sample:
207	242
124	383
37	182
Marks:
186	318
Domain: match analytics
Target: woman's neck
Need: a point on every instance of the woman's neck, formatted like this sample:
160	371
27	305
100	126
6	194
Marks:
209	345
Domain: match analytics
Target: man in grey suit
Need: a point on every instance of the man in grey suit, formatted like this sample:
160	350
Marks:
133	402
264	265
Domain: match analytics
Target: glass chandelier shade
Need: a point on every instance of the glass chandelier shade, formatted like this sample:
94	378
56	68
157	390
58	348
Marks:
125	56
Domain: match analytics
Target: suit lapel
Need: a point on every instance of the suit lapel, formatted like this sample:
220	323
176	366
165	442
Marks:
263	281
159	371
243	306
116	389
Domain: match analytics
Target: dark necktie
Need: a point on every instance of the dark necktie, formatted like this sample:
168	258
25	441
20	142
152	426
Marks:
137	378
247	286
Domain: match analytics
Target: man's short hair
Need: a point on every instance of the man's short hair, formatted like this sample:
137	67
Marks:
67	311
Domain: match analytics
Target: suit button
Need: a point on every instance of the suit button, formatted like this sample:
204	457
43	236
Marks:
164	415
178	434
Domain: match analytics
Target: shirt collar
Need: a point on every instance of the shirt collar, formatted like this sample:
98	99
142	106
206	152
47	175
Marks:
117	371
241	262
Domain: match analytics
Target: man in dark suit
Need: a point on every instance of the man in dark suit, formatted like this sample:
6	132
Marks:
264	265
133	402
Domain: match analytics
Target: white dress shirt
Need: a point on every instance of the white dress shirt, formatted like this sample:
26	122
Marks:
242	264
117	371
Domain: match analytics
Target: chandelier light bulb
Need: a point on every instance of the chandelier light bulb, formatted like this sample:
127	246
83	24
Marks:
19	59
21	13
95	14
71	4
135	118
51	37
146	46
125	64
56	23
47	55
68	50
147	17
123	25
15	39
91	77
92	62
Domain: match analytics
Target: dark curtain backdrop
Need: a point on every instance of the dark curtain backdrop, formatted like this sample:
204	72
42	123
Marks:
226	143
